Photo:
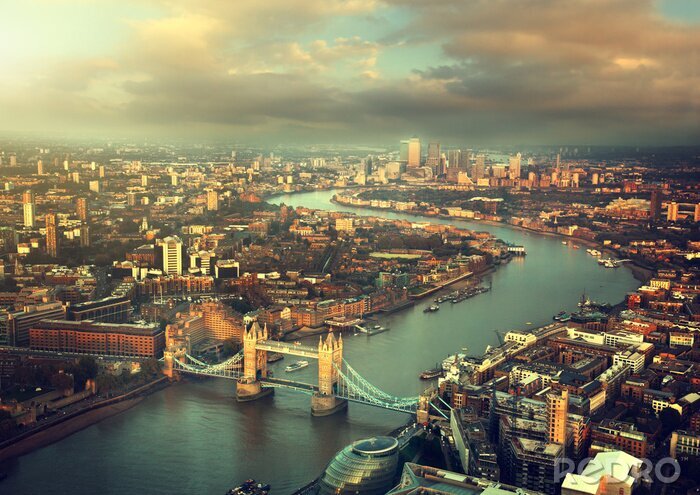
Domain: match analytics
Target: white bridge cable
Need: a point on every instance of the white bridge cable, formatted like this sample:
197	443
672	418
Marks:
357	388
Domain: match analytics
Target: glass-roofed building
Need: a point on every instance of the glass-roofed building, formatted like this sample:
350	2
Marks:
367	467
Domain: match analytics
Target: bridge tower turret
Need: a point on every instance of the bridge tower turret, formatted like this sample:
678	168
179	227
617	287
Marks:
330	359
171	353
254	365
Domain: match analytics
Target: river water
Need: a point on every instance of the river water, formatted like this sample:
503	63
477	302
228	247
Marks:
193	438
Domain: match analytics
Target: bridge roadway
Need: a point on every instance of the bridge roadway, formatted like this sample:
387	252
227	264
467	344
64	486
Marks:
280	383
286	348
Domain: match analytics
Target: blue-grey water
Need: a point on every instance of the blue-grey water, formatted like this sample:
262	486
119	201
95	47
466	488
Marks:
193	438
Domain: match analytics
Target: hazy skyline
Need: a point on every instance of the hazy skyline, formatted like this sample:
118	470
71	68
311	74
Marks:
313	71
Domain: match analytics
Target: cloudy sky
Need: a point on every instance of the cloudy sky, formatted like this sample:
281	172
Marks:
475	72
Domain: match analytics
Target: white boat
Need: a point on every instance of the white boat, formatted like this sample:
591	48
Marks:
296	366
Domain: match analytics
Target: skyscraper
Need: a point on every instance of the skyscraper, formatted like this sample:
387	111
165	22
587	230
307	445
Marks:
172	255
465	160
40	167
655	205
479	167
454	158
514	166
433	155
52	235
81	209
29	208
212	200
403	151
85	235
557	415
413	153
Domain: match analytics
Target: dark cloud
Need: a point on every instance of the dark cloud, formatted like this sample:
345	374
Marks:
544	71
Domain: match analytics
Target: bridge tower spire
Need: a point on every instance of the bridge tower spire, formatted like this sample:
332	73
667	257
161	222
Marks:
254	365
330	360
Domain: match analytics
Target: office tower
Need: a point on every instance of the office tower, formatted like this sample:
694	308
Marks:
558	162
174	179
172	255
75	177
557	415
514	166
85	235
95	186
144	181
52	235
454	158
40	167
212	200
479	167
696	215
81	209
465	159
655	205
13	160
403	151
672	212
131	199
101	171
413	153
433	159
29	209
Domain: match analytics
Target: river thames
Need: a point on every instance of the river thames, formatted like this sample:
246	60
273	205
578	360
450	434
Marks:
193	438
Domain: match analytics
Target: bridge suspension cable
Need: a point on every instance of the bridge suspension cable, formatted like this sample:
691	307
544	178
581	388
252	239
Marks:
354	387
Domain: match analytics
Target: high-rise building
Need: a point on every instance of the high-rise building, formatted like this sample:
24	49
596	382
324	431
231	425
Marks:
95	186
696	214
52	234
454	158
672	212
172	255
144	181
101	171
212	200
85	235
81	209
514	166
433	160
403	151
13	160
655	205
131	199
174	180
557	415
465	160
479	167
29	208
40	167
413	157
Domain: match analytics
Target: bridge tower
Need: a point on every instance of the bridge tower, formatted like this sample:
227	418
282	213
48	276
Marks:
254	365
330	359
170	354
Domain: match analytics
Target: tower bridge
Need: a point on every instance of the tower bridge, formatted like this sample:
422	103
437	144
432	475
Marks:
338	383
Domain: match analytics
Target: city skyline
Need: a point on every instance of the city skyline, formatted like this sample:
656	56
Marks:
355	71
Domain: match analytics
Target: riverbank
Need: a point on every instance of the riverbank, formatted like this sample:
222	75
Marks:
642	273
79	420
